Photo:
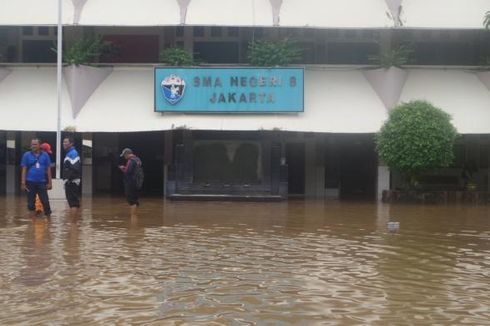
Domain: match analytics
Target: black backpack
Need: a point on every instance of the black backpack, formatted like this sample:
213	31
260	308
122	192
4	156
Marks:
139	175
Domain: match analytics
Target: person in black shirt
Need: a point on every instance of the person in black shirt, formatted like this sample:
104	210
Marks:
130	185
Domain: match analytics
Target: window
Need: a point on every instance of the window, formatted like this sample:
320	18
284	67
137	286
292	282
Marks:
38	51
43	31
198	31
27	30
179	31
217	52
233	31
216	31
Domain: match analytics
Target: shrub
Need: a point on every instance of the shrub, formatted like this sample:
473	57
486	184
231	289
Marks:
273	53
177	57
393	58
86	51
417	137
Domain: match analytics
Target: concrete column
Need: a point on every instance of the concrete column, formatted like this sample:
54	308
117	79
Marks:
383	182
87	164
189	39
314	170
12	164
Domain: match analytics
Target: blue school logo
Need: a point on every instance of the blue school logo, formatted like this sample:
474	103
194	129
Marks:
173	88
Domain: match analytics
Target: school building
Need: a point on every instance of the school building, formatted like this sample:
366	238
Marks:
224	128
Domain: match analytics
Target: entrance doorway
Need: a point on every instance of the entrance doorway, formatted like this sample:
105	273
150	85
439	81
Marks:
358	167
149	146
295	158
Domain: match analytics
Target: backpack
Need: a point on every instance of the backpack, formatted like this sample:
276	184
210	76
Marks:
139	175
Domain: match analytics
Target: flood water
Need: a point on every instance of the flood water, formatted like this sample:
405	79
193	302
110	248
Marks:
296	262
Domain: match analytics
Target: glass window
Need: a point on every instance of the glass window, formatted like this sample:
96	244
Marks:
43	31
179	31
216	31
233	31
198	31
27	30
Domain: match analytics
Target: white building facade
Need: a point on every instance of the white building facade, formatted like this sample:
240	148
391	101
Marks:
325	150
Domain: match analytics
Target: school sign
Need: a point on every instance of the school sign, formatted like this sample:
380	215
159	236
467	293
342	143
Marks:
253	90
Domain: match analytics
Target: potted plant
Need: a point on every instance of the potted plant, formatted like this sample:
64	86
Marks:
389	78
81	78
417	137
273	53
175	56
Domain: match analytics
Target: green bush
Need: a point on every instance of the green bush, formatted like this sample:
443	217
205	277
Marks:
273	53
177	57
417	137
397	57
86	51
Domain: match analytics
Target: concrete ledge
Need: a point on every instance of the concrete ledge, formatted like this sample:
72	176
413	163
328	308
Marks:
436	197
219	197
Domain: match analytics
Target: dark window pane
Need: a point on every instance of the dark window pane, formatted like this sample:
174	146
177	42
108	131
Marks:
233	31
217	52
44	31
36	51
350	53
27	30
198	31
216	31
179	31
133	48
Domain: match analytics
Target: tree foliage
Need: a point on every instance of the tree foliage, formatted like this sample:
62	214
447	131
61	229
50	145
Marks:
273	53
486	20
177	57
416	137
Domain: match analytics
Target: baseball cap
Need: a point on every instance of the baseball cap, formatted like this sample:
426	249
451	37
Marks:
47	148
126	151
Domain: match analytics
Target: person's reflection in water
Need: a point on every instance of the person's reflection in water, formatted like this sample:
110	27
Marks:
72	244
36	253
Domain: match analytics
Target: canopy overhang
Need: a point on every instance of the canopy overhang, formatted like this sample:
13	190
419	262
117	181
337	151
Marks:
336	101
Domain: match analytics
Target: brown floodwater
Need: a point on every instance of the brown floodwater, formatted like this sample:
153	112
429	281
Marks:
296	262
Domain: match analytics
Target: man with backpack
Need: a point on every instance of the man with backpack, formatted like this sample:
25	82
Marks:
36	177
133	178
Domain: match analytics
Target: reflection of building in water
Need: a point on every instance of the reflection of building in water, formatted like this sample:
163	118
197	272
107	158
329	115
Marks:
303	130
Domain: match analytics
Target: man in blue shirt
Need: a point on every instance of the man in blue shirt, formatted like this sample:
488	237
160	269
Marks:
72	172
36	177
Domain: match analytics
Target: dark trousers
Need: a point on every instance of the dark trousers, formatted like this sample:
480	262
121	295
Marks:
131	193
72	193
37	188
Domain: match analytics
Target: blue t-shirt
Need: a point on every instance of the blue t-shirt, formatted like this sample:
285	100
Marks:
36	166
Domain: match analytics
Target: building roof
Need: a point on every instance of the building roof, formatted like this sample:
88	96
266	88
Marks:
452	14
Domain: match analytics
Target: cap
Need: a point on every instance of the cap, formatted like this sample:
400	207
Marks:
47	148
126	151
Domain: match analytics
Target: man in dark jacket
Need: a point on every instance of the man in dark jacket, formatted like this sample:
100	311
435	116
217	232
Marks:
130	183
72	173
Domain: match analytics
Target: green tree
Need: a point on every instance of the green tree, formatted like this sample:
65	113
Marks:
417	137
273	53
